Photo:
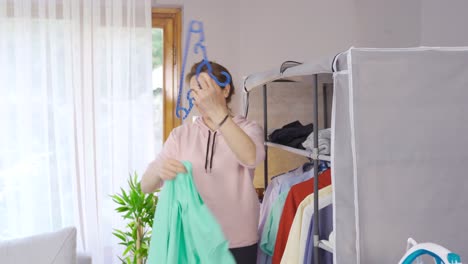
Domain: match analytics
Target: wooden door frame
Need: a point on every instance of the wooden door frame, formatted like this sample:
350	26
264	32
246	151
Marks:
170	20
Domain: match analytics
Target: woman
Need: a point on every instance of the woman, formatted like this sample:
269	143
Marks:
224	151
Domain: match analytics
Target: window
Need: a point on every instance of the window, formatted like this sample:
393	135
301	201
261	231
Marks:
166	68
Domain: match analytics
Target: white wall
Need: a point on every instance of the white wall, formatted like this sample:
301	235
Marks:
402	23
444	23
273	31
389	24
249	36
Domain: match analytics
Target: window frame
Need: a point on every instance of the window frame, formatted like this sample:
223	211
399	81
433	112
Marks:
170	20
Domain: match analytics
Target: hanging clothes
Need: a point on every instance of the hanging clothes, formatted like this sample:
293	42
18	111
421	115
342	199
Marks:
295	246
270	231
296	195
325	222
282	183
182	224
325	233
278	185
272	207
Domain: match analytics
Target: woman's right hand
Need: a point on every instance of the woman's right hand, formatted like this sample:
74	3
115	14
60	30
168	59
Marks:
170	168
159	170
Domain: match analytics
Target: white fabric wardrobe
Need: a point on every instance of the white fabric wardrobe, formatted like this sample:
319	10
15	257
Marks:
400	152
399	148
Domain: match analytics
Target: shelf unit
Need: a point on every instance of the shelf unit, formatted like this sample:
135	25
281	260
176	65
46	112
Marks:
313	155
301	152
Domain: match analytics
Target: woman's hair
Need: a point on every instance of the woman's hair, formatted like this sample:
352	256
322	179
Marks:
217	69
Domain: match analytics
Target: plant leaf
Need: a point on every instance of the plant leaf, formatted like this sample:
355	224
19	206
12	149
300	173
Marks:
127	250
123	261
120	236
125	196
117	199
128	215
139	209
122	209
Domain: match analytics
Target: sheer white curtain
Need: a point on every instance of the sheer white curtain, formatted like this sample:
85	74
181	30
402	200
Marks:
75	114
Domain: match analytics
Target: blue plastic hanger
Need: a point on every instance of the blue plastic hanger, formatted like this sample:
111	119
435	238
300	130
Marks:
196	28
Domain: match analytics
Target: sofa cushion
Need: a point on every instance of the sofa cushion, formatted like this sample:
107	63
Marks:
83	258
50	248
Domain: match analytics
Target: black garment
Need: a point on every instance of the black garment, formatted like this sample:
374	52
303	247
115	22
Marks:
297	142
245	255
292	134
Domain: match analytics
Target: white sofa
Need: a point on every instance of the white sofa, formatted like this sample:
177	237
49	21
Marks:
51	248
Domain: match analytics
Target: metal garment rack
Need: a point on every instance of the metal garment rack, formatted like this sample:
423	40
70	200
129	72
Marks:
314	156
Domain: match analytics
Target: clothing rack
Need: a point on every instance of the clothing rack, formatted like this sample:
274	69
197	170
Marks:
314	155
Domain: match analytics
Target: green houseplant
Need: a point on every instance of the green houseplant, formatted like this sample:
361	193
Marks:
137	209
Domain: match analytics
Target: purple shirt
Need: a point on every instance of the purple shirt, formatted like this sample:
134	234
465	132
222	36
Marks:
325	228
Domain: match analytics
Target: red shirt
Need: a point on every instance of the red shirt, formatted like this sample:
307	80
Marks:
296	195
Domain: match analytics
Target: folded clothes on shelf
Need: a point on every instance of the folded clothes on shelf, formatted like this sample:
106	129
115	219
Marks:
324	139
292	134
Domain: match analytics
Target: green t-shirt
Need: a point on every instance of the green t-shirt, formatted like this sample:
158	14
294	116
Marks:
184	230
270	231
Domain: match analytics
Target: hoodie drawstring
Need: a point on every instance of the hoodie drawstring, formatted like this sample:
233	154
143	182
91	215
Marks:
207	151
212	151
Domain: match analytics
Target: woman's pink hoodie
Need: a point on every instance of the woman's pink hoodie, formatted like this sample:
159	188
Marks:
224	182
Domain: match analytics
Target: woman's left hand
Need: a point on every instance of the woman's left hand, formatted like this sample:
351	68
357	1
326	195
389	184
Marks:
209	98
